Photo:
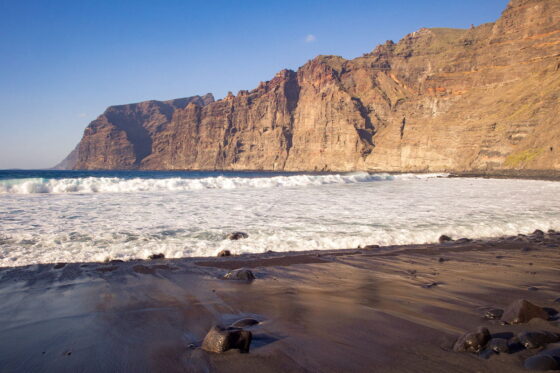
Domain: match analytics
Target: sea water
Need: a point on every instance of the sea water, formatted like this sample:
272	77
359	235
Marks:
75	216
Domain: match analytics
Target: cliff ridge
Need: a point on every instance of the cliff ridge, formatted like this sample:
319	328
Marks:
483	99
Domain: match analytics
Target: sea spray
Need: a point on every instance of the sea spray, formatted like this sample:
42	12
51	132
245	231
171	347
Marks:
125	218
177	184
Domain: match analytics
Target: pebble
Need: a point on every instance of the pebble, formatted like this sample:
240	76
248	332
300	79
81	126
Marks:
493	314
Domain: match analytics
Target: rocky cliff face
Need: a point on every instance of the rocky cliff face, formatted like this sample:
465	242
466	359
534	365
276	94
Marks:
485	99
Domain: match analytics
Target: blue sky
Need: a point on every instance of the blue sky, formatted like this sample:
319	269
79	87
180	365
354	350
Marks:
63	62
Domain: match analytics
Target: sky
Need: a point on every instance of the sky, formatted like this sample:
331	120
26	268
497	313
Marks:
63	62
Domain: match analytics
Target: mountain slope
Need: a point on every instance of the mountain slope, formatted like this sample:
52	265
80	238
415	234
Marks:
484	99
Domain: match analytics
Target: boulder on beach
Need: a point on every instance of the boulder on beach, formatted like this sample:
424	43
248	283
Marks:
443	238
522	311
537	339
221	339
241	274
237	236
224	253
541	362
473	341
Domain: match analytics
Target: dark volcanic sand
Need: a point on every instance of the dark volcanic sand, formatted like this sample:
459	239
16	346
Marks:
396	309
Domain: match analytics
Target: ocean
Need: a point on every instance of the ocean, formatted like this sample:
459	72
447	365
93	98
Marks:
82	216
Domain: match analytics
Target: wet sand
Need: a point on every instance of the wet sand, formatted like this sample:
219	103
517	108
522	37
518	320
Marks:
389	309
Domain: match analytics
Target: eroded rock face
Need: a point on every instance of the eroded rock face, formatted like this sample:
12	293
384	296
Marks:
123	135
483	99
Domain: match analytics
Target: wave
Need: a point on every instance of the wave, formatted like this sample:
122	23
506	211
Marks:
123	185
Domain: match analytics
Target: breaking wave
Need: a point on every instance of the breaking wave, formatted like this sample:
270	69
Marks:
131	185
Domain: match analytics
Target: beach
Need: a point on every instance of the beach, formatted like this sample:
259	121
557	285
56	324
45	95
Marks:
323	187
382	309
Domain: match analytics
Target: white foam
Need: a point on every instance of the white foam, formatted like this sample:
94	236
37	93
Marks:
122	185
328	212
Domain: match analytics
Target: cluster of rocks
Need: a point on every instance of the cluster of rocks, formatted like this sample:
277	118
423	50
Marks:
221	339
551	237
519	312
445	238
234	236
538	236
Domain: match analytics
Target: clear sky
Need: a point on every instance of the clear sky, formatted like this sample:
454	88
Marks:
63	62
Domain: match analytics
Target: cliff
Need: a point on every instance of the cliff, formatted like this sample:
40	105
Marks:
484	99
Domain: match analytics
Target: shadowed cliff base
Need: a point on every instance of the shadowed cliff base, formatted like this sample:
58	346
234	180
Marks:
478	100
359	310
513	174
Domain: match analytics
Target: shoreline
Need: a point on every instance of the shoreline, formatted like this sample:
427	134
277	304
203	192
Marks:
548	175
387	309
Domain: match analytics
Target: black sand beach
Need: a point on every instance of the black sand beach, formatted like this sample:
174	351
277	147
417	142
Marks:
389	309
